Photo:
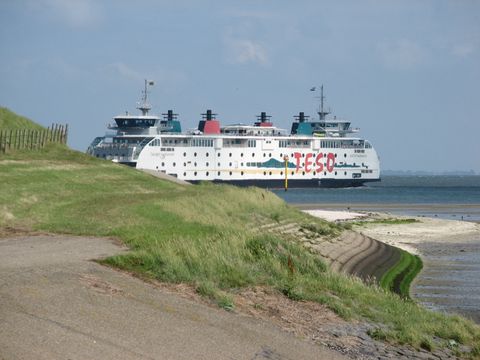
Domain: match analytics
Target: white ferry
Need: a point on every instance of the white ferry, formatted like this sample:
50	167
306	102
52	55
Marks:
314	153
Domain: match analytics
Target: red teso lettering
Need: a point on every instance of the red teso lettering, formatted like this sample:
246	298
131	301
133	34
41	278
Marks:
330	162
318	162
308	162
297	157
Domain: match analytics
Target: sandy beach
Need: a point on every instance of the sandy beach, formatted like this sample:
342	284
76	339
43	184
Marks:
450	251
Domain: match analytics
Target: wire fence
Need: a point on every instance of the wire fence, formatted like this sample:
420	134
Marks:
31	139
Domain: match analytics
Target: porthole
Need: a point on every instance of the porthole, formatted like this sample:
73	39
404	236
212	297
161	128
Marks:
264	155
303	155
184	164
195	173
157	167
293	172
218	154
241	173
218	164
195	164
270	173
241	164
335	173
344	155
206	173
174	164
303	172
194	154
345	173
206	154
324	173
218	173
230	173
184	174
207	164
314	173
281	155
241	155
185	154
253	154
270	155
335	155
281	173
163	164
229	164
264	173
230	154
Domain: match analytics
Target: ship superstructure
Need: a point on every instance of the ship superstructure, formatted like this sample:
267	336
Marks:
314	153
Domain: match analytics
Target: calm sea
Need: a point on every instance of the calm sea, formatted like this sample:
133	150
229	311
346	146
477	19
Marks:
450	280
451	197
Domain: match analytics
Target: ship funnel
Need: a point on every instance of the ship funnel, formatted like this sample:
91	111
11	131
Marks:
301	117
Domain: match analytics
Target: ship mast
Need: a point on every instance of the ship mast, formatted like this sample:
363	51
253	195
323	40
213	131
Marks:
322	113
144	106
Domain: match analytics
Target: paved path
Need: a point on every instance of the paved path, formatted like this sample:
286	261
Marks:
56	304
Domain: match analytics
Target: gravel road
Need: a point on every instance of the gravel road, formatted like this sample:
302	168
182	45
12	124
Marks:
55	303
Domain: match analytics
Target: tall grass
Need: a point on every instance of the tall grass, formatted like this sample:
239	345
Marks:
205	235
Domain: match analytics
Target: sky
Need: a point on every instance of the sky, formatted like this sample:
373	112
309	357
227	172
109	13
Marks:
406	72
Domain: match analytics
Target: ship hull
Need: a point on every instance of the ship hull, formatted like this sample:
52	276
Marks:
295	184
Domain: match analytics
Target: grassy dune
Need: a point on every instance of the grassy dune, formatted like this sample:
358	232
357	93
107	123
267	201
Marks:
11	121
206	235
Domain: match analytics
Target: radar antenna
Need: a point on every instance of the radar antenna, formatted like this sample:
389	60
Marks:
144	106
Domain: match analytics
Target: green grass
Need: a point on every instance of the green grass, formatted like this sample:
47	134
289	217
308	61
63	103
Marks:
206	236
11	121
399	277
389	221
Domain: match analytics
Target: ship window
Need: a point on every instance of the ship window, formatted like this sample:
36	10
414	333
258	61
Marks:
345	155
264	173
324	173
335	155
314	173
184	164
184	154
207	164
163	164
195	173
241	173
253	154
184	174
194	154
218	164
230	173
270	155
264	154
206	154
281	173
230	164
293	172
345	173
206	173
218	173
230	154
270	173
335	173
303	172
195	164
218	155
241	155
174	164
157	167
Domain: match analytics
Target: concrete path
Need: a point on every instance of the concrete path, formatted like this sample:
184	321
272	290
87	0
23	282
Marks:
56	304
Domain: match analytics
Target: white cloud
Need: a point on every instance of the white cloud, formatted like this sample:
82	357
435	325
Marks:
242	51
402	55
75	13
463	50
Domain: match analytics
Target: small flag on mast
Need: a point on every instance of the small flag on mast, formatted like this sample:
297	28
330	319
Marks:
151	82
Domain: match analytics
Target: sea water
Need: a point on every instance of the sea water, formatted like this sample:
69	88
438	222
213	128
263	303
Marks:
450	197
450	280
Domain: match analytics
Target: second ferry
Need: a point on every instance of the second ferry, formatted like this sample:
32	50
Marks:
314	153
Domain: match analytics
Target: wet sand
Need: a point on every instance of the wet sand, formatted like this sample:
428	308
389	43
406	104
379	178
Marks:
450	251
